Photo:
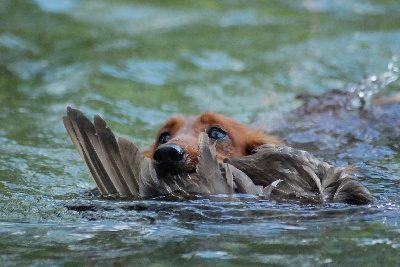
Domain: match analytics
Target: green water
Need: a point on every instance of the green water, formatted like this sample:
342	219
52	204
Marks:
138	62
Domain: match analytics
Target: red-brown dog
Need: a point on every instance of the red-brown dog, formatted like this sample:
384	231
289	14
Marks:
176	149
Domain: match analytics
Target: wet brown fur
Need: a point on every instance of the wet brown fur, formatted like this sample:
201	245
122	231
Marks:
184	131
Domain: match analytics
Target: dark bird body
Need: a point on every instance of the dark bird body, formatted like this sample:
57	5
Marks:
271	171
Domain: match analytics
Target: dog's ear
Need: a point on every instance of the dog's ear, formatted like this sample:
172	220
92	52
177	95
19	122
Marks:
258	138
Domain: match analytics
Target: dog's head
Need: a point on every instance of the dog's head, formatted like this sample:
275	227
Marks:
176	148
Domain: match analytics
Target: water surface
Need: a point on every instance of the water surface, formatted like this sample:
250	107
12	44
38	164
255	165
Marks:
138	62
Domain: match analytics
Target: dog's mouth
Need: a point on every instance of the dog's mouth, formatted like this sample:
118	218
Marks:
172	159
174	168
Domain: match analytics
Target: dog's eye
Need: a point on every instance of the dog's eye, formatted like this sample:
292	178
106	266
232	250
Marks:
164	137
217	133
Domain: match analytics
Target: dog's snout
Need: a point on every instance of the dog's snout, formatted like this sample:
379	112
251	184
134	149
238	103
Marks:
169	153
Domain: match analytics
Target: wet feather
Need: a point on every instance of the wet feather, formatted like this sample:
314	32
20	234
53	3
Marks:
273	172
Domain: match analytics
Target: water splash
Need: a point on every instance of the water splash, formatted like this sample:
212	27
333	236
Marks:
370	86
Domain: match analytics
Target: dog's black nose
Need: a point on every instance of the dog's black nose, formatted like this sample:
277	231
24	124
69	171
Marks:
169	154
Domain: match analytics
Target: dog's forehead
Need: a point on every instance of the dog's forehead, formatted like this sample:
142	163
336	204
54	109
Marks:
188	124
177	123
210	118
